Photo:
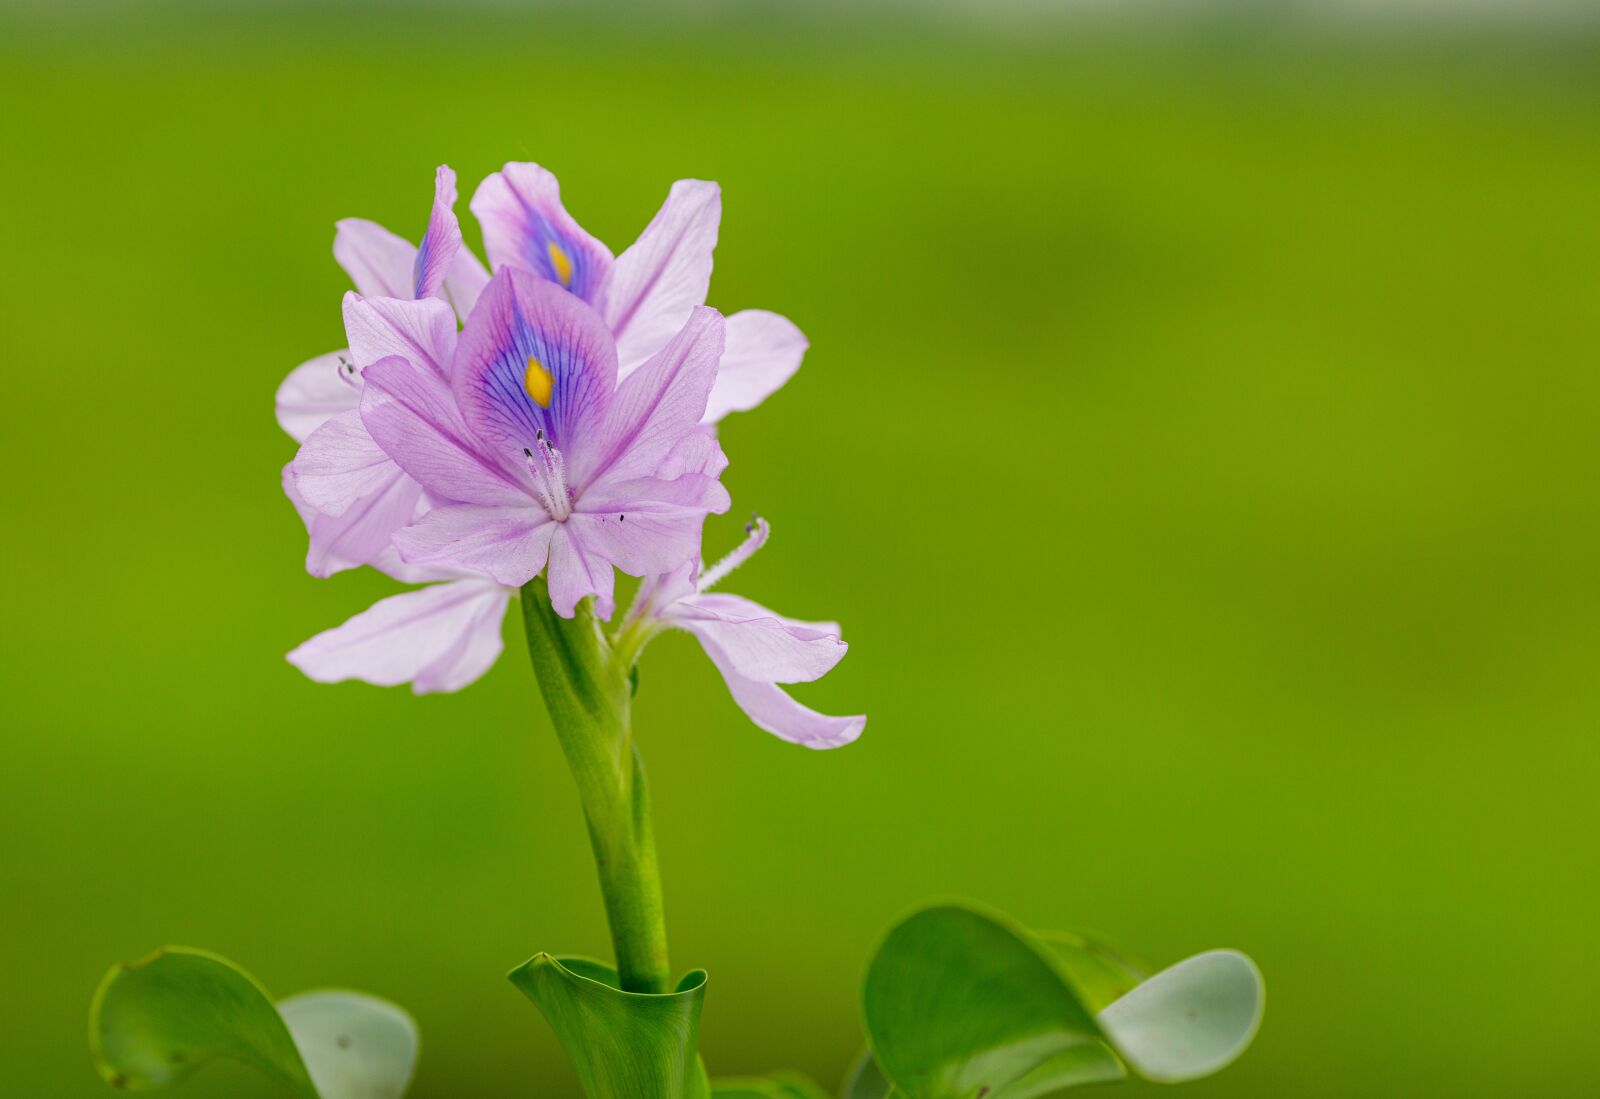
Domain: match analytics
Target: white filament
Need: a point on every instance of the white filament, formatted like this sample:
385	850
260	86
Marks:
756	531
549	471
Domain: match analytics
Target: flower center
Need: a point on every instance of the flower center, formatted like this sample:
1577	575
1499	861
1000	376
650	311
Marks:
755	531
549	472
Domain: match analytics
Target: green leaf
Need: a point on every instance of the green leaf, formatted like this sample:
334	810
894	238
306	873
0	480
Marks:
624	1045
155	1021
1189	1020
960	1002
778	1085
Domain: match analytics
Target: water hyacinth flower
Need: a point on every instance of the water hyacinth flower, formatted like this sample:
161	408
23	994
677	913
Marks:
637	451
540	360
645	294
754	648
546	461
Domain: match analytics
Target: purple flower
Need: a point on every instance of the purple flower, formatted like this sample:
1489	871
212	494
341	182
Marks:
549	434
360	496
546	461
754	648
645	294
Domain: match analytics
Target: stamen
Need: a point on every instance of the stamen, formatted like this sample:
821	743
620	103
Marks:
756	532
557	464
549	471
347	373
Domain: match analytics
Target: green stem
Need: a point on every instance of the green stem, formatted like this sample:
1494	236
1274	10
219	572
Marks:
586	689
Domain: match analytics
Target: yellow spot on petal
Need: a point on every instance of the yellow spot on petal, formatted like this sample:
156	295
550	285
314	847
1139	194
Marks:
538	382
563	265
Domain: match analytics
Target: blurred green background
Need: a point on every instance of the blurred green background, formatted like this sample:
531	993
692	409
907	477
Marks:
1198	443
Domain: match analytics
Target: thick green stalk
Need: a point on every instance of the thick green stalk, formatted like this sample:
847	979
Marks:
587	692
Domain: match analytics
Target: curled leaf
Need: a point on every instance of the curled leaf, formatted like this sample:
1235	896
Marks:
155	1021
624	1045
959	1001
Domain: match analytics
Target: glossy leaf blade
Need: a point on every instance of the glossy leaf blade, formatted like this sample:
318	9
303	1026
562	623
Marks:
354	1046
157	1020
624	1045
1189	1020
959	1002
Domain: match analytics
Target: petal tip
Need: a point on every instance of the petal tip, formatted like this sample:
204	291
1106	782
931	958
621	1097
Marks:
848	733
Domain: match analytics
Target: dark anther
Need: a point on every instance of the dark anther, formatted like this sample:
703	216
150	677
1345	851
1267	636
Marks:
526	453
622	518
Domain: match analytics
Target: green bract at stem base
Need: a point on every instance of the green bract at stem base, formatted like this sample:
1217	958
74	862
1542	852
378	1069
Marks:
587	690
